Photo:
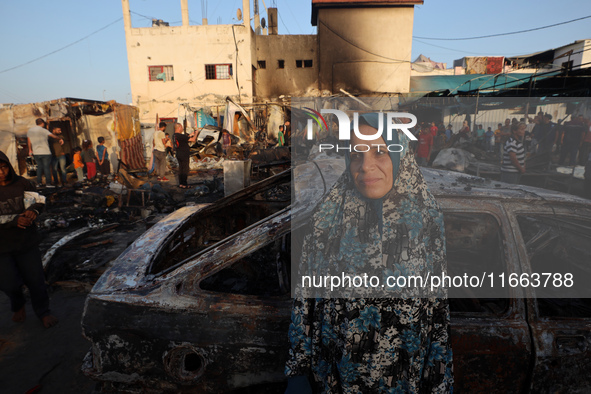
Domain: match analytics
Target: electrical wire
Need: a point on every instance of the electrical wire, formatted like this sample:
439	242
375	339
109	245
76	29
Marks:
143	16
363	49
449	49
293	16
503	34
62	48
284	25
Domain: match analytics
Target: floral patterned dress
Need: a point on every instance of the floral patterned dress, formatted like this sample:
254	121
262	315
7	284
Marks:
375	345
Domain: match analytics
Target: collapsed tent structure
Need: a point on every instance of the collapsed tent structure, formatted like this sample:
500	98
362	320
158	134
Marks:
79	120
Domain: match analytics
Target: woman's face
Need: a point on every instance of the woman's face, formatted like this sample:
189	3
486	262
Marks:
371	170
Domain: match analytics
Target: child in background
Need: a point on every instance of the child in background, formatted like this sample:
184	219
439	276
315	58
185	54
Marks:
88	157
78	164
490	139
102	156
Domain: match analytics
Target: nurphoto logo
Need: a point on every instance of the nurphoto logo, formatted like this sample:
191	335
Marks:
344	126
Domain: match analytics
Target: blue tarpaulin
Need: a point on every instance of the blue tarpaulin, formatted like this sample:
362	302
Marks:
202	119
455	83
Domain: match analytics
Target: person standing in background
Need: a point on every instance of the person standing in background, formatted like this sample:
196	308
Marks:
159	152
58	159
585	148
506	131
280	137
39	148
181	144
464	132
287	132
424	147
479	135
78	163
88	157
448	133
102	156
571	138
514	155
490	139
433	129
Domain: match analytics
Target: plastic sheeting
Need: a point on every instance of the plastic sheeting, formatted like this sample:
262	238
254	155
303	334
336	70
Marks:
237	121
202	119
275	118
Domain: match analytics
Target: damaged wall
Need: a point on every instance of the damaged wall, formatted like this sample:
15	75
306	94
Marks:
293	76
365	49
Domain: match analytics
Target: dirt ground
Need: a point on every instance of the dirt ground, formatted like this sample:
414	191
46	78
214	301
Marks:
34	359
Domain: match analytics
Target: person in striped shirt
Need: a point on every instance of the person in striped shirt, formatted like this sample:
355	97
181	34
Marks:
514	155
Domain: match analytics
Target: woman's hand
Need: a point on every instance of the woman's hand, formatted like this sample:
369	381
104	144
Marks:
26	219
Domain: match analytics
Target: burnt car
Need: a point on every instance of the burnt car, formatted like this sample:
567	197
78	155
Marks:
201	301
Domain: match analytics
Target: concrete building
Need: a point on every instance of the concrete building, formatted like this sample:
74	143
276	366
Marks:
362	47
573	56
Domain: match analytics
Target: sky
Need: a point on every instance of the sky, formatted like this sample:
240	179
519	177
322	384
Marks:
73	48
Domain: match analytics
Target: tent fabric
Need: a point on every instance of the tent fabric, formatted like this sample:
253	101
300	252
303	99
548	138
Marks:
202	119
89	120
476	65
238	125
495	65
128	130
132	152
127	122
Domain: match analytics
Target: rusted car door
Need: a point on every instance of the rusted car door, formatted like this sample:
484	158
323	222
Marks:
490	337
557	241
246	306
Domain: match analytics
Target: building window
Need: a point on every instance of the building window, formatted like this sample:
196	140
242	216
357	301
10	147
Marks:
262	64
218	71
304	63
160	73
281	63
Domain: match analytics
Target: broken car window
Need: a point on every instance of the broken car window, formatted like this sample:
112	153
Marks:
559	245
474	245
220	221
262	273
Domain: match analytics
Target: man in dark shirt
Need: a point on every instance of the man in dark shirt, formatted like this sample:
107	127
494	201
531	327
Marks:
181	145
545	132
573	133
58	157
20	257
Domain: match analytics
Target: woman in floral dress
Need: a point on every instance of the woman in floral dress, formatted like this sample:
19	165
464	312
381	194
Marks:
380	218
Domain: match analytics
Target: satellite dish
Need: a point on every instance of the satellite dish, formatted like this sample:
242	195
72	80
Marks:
263	23
239	14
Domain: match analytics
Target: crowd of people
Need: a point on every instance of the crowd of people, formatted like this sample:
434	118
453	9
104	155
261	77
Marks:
512	141
52	157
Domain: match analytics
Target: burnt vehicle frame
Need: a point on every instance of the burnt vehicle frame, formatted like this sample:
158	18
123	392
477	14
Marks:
202	300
